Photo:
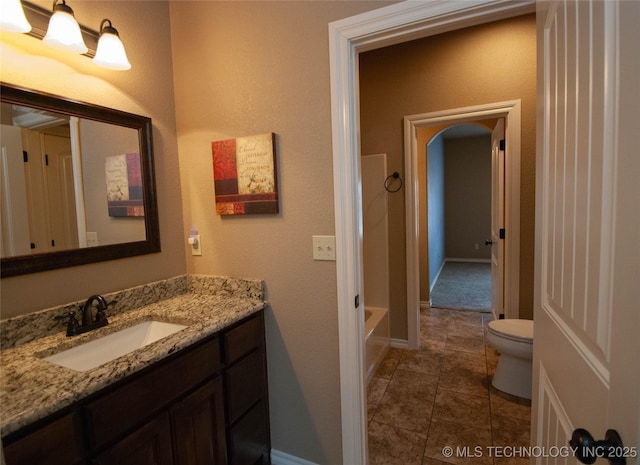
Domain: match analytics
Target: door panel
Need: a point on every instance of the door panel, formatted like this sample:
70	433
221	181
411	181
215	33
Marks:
584	313
60	190
497	221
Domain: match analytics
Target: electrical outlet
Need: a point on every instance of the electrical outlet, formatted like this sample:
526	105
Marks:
92	239
196	246
324	248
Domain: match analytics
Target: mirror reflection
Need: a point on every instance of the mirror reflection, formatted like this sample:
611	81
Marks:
71	182
76	183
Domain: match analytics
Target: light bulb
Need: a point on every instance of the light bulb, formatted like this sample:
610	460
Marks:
110	52
13	18
64	31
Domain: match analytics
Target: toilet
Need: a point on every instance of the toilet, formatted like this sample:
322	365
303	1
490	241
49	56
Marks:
513	338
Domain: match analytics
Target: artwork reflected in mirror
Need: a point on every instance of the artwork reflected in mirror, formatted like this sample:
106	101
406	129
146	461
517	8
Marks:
76	183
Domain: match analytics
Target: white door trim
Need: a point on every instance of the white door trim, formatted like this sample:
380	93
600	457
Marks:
511	112
393	24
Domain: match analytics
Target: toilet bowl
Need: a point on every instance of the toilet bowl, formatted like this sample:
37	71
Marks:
513	338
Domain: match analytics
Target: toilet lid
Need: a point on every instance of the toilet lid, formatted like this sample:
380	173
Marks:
513	329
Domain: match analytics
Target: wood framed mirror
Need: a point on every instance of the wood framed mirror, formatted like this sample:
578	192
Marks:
77	183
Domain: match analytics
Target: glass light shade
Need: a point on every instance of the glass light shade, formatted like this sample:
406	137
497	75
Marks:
110	52
13	18
64	31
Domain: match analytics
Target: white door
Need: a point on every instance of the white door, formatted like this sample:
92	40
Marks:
13	192
587	318
58	173
497	220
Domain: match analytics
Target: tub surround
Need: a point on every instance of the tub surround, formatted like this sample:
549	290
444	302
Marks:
31	388
377	339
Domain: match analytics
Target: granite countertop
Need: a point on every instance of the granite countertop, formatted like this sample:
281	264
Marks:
32	388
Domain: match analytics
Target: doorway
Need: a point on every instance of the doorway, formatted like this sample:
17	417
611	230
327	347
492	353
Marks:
390	25
455	270
511	112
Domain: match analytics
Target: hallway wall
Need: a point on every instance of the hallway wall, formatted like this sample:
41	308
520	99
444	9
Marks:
435	208
467	191
488	63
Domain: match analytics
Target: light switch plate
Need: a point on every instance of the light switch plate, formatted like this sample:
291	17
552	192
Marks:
324	248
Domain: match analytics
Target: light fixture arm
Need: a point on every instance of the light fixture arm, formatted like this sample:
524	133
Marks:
61	7
109	29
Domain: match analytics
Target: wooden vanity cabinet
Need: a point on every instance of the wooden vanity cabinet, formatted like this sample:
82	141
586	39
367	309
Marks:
186	425
206	405
246	394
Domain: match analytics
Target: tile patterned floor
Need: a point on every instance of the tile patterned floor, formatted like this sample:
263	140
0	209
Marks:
421	401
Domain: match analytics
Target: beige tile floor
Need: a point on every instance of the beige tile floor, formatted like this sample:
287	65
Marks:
421	401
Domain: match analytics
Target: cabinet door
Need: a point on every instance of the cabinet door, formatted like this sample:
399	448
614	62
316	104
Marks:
149	445
198	427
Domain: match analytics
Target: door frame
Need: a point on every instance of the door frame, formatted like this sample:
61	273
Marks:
374	29
511	112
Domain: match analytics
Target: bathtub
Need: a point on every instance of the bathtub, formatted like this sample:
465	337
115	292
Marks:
376	333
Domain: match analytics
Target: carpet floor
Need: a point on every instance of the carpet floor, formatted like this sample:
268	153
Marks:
463	286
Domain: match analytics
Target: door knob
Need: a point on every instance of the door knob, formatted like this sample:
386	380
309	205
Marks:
588	450
488	242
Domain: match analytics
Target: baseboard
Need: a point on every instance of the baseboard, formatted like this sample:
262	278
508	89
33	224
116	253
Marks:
435	279
282	458
468	260
399	343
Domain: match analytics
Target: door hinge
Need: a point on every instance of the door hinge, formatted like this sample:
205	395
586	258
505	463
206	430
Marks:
33	245
53	243
501	316
357	301
502	233
46	160
503	145
25	156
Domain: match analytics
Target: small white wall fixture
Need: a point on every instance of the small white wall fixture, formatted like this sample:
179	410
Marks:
386	26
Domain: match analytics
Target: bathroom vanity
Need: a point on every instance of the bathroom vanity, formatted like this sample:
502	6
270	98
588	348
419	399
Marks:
198	396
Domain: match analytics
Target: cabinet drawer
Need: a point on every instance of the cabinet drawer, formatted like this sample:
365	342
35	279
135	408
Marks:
53	444
244	338
129	404
245	384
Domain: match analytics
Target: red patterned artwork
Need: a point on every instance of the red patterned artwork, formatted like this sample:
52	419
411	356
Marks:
244	174
123	175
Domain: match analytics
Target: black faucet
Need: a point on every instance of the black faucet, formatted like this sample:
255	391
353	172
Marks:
87	311
89	321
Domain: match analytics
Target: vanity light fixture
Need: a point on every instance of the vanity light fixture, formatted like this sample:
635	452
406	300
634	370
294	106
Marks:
61	30
64	31
13	18
110	52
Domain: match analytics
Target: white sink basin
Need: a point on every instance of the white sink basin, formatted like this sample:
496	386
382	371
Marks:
95	353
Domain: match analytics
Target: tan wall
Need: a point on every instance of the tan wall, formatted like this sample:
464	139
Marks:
147	89
244	68
467	185
487	63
